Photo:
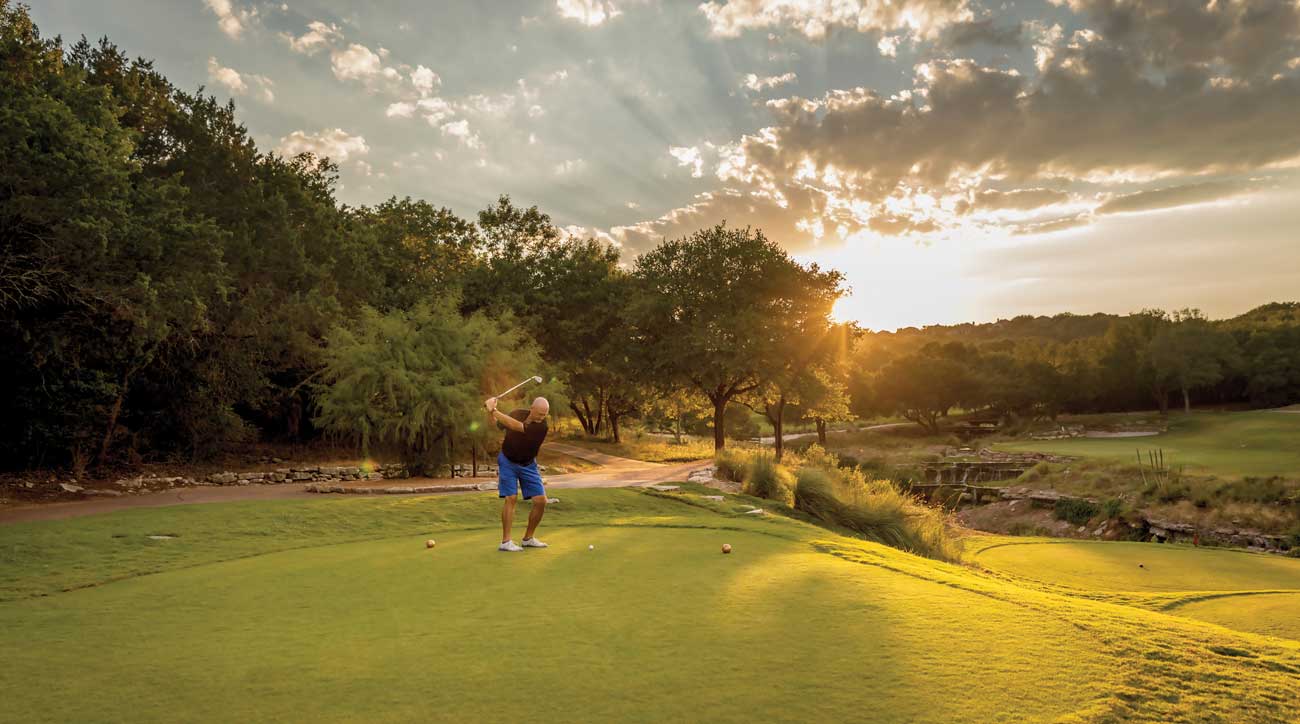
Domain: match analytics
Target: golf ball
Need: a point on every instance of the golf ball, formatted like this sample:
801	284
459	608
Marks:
591	548
430	543
726	547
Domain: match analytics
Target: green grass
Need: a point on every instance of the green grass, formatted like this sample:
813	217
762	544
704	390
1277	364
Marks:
1261	443
333	610
1244	591
1273	614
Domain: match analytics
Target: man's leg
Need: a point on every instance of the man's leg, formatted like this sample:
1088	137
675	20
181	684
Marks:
508	517
535	515
530	480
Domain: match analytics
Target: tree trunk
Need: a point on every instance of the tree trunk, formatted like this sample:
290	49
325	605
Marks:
1187	402
584	419
112	425
719	423
1162	398
473	461
613	425
677	429
778	430
821	432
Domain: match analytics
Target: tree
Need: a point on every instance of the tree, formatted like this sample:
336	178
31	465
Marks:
712	310
671	409
826	400
1190	353
924	387
414	381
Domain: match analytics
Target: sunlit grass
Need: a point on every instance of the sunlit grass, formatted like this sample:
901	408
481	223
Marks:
333	610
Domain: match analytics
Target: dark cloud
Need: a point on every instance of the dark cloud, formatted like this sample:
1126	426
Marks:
1174	196
983	32
1252	37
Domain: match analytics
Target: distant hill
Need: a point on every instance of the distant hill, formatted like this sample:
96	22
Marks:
1069	327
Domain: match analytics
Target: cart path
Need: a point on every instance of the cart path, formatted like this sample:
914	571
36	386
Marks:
615	472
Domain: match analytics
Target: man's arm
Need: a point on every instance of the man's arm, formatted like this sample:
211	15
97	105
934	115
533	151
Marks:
502	417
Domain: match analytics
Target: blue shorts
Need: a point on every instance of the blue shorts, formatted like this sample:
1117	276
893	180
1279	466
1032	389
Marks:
512	476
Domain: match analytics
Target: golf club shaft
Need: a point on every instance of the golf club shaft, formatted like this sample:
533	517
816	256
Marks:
512	389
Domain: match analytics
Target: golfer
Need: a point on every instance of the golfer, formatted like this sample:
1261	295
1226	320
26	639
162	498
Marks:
517	463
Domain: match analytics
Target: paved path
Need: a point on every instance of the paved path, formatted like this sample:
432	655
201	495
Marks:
615	472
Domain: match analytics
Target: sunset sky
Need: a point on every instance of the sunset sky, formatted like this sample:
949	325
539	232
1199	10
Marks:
959	160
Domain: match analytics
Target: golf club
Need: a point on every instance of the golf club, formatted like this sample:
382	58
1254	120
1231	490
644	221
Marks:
534	378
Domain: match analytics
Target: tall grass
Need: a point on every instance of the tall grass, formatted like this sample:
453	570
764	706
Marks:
874	509
731	464
768	479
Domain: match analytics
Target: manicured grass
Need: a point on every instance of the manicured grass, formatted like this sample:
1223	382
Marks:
1100	566
1273	614
333	610
1262	442
1232	588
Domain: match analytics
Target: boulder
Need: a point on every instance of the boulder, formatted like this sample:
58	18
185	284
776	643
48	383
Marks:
69	487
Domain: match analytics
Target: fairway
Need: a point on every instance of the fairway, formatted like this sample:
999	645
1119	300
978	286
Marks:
1263	442
334	610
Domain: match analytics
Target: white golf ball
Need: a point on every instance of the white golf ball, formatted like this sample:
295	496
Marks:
591	548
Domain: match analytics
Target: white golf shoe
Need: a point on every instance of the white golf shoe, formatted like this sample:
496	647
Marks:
533	543
510	546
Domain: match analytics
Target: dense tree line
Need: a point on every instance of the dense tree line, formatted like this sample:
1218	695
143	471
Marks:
1033	368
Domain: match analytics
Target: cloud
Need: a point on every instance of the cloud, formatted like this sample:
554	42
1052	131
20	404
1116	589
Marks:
921	160
1017	199
435	110
588	12
919	18
461	132
319	35
231	19
1175	196
1252	39
234	81
425	81
569	166
983	32
755	83
689	156
336	144
888	46
357	62
401	109
229	78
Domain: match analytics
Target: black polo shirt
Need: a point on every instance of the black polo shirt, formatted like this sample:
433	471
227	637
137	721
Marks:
521	447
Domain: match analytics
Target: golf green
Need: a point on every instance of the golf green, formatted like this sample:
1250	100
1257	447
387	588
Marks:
1152	567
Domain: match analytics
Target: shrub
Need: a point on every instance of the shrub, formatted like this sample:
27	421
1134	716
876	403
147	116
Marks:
731	465
1035	473
766	478
1112	508
1075	511
848	461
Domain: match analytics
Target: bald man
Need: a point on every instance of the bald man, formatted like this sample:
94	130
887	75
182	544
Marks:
517	463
